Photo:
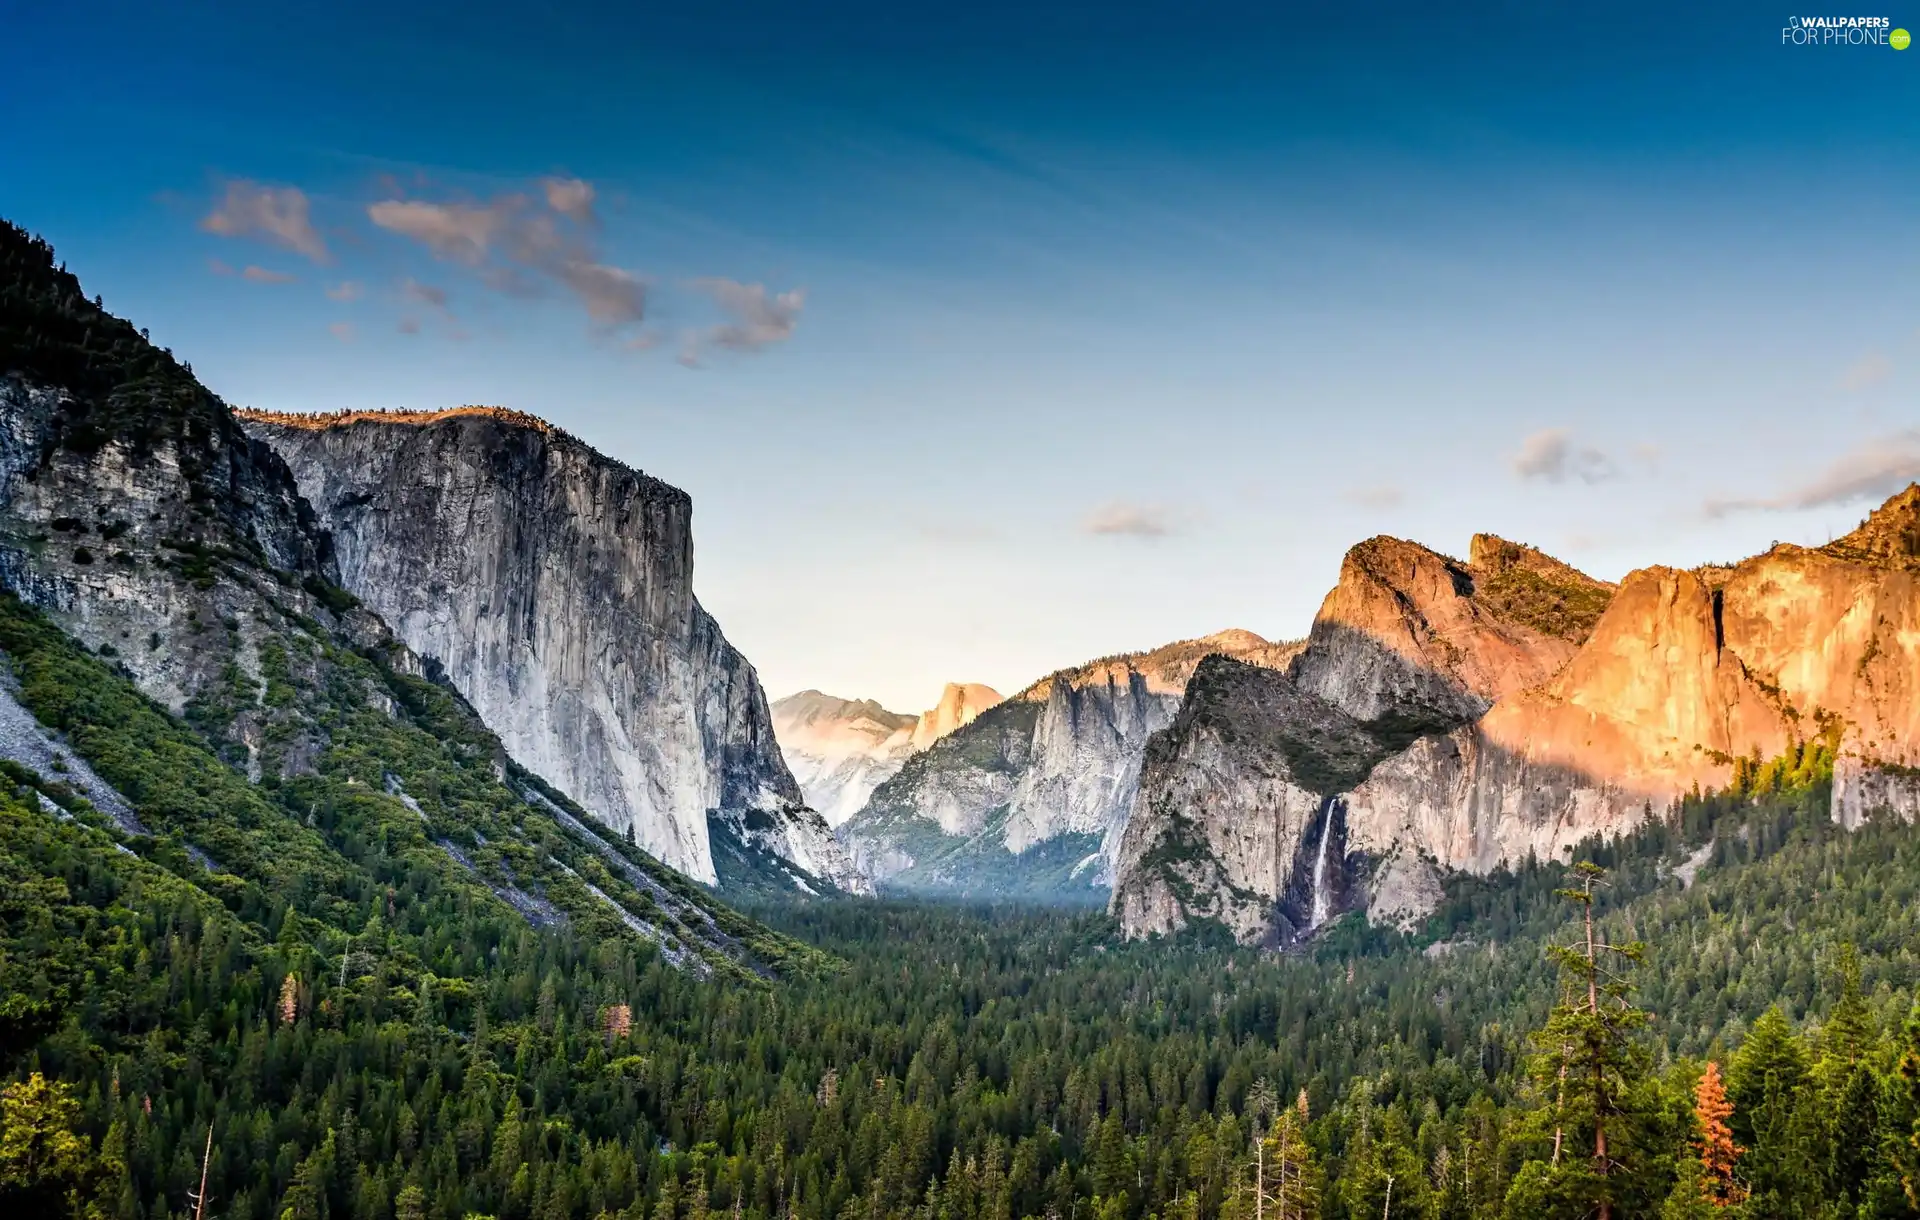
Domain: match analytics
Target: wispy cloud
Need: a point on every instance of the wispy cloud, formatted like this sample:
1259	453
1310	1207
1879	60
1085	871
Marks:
457	232
424	294
258	275
349	290
756	318
1122	519
278	215
512	242
1552	455
571	198
1870	370
1871	471
1382	496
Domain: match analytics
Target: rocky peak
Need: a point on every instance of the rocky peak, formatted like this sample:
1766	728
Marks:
812	712
1889	537
960	704
1676	674
840	750
1414	637
554	588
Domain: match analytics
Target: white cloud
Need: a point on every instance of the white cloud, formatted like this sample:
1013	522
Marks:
456	232
424	294
347	291
511	244
612	297
1552	455
756	318
1871	471
572	198
260	275
278	215
1119	518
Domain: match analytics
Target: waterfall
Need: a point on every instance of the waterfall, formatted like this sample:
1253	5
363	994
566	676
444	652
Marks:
1320	903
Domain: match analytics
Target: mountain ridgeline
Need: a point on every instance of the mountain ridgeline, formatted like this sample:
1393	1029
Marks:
553	588
1447	718
1442	718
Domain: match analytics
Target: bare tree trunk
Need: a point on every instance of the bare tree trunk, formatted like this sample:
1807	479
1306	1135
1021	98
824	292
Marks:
200	1196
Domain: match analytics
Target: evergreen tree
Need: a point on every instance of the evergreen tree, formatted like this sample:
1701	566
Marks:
1587	1053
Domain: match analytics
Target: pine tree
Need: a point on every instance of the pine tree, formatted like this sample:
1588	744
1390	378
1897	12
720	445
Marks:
1587	1053
1297	1181
1717	1151
1690	1198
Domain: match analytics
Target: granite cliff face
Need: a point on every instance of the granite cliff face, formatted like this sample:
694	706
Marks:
1243	814
1412	637
1588	725
840	750
139	516
1031	796
552	587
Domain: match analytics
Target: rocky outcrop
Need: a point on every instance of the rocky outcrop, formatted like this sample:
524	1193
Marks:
960	705
1233	808
840	750
1260	771
552	587
145	524
1683	675
1055	767
1413	638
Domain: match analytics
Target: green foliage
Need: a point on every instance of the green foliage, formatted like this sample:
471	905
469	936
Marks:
1562	607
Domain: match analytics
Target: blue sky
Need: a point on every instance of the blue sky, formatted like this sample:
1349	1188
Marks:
990	338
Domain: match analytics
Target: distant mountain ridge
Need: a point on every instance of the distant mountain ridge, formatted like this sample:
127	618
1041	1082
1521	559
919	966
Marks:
1027	800
840	750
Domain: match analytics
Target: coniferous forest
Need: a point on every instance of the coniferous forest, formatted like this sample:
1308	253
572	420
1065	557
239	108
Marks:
1741	1043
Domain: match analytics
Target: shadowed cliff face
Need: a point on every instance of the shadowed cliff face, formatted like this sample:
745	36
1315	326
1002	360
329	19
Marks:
1058	763
1231	795
553	587
1238	793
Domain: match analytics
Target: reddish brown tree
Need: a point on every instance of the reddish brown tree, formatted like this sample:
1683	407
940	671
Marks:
1718	1152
